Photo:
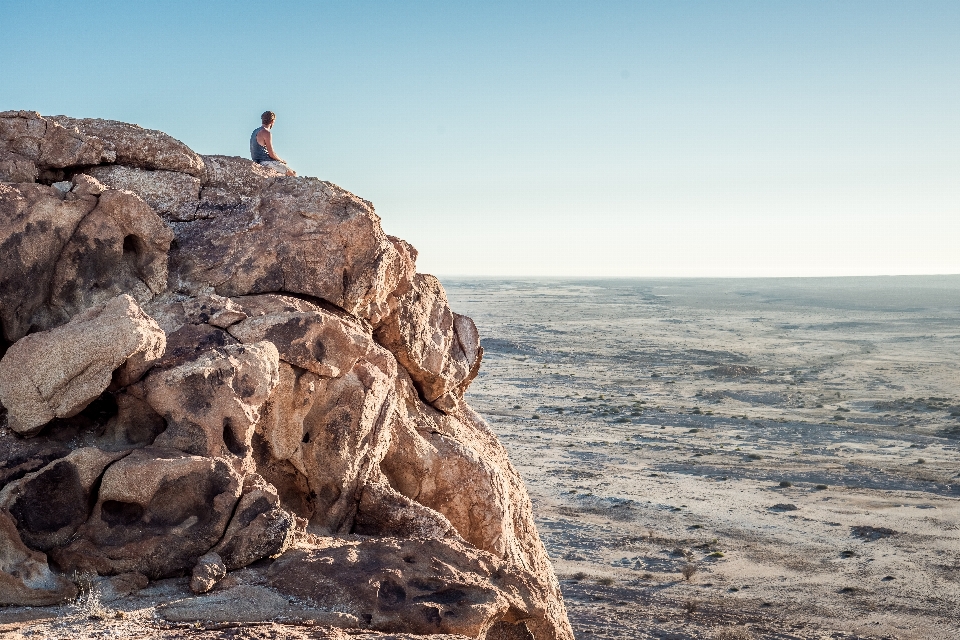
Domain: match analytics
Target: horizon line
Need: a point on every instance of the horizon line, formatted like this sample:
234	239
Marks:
654	277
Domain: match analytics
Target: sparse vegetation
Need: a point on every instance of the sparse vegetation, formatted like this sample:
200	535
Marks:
691	606
716	554
821	487
579	575
605	581
872	533
784	506
688	570
88	597
786	483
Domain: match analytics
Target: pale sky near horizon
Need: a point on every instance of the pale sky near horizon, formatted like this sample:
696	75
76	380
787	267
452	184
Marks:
555	138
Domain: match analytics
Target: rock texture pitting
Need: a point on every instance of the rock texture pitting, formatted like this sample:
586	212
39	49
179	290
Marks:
208	367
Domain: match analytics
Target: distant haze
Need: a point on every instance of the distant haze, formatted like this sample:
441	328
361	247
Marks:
557	138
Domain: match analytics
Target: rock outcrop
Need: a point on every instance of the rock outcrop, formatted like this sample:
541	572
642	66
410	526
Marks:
207	366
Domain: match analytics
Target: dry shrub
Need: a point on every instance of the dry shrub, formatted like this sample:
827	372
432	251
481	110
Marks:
88	601
733	633
687	571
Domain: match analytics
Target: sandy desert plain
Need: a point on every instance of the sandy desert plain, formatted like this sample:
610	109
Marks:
793	442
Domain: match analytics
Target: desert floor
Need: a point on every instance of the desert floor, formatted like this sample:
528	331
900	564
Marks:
793	442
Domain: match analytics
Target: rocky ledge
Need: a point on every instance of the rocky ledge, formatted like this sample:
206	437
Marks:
211	370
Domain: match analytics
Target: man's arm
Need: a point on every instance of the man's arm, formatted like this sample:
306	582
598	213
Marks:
268	143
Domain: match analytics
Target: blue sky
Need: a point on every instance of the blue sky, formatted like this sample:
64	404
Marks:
561	138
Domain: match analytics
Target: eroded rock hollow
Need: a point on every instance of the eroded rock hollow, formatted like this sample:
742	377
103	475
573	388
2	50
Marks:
207	365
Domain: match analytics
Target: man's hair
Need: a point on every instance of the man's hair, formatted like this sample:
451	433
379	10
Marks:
267	117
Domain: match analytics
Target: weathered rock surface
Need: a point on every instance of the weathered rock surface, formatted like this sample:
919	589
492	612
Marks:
267	243
63	253
438	348
228	180
56	373
173	195
47	144
308	336
259	528
409	585
16	168
207	368
135	146
25	576
157	512
211	404
49	505
208	571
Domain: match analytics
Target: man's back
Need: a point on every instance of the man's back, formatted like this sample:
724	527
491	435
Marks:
258	152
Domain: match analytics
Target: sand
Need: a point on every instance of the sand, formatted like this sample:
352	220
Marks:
794	442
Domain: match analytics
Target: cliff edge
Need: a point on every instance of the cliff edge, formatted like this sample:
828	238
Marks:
213	371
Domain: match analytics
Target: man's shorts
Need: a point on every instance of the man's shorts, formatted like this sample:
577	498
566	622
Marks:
276	166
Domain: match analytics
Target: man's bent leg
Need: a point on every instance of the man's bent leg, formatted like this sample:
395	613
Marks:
276	166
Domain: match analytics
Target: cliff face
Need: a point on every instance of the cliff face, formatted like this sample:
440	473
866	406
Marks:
206	364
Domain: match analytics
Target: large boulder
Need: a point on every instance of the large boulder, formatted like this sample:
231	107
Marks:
136	146
61	253
27	137
36	222
157	511
454	464
56	373
121	246
259	528
297	235
228	180
383	511
39	511
212	403
49	505
438	348
343	436
413	586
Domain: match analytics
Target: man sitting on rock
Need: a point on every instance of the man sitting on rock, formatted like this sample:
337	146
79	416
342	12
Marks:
261	146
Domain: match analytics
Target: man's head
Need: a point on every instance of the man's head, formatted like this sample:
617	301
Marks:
268	117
